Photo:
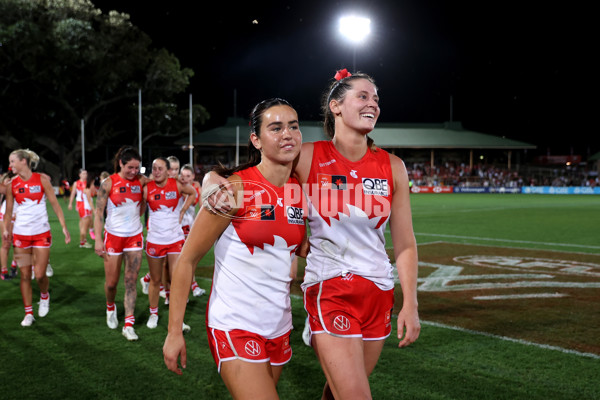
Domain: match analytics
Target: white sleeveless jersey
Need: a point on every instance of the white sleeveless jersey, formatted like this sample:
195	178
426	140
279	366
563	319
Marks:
251	283
190	213
80	196
349	206
163	213
31	216
123	207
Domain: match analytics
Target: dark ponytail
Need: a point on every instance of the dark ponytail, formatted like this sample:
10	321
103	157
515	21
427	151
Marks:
124	155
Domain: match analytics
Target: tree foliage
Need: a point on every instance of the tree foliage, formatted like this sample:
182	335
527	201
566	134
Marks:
63	61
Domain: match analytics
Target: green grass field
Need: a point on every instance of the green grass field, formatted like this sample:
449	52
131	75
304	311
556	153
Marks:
72	354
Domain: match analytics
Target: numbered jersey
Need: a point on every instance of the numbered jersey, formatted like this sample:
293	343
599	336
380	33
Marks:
164	206
31	216
123	207
253	257
349	205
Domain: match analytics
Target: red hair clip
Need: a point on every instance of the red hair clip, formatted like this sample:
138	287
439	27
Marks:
341	74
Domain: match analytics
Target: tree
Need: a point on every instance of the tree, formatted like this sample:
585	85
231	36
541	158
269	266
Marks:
62	61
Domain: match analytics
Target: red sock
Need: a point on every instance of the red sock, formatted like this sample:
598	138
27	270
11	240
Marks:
110	306
147	277
153	310
28	310
129	321
44	296
194	285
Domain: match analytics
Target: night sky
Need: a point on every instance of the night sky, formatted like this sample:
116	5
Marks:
520	69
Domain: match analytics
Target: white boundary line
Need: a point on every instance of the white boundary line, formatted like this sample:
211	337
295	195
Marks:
509	240
465	330
508	339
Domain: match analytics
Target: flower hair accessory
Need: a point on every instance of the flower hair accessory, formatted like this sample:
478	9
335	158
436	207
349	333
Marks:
341	74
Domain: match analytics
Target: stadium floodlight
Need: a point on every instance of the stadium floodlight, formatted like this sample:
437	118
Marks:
355	29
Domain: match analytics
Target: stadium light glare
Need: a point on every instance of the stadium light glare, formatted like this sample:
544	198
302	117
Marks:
355	29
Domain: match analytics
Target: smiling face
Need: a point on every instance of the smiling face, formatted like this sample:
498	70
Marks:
17	164
174	169
83	175
359	108
130	169
280	137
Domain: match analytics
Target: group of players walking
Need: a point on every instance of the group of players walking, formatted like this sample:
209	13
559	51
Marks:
122	198
346	188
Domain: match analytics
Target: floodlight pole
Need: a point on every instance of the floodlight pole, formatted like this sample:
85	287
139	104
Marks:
140	121
191	145
82	144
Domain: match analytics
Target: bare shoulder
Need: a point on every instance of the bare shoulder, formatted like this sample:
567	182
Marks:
302	168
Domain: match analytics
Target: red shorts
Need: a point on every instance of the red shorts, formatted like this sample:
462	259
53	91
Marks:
42	240
349	306
83	212
186	230
116	245
247	346
161	250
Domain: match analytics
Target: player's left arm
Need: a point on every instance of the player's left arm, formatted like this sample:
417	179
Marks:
190	197
405	254
49	192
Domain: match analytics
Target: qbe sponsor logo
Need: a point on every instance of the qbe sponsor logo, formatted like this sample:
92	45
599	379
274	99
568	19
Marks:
170	195
136	189
294	215
35	189
375	186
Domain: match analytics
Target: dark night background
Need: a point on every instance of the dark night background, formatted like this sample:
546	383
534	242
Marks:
520	69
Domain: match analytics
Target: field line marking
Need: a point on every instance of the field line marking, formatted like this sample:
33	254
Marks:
508	240
508	339
520	296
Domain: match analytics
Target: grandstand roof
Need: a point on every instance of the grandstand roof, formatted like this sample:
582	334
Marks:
449	135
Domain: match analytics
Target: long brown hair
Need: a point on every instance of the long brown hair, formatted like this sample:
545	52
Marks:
125	154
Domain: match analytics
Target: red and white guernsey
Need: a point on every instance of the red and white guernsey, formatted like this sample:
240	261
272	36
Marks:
251	283
80	196
163	213
31	216
349	204
123	207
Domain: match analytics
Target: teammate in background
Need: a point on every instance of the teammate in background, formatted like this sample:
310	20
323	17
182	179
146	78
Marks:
354	189
121	196
5	248
187	176
173	173
249	315
165	237
84	203
30	231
